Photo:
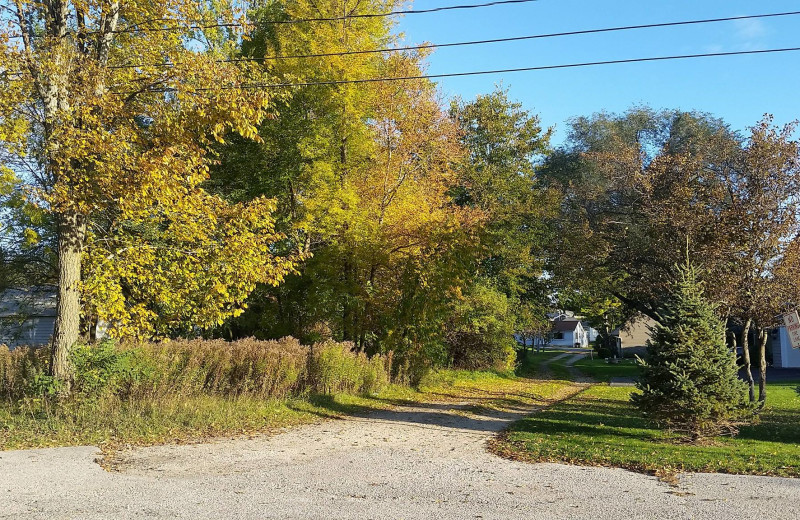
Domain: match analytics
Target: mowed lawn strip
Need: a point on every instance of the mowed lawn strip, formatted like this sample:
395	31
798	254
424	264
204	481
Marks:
600	427
113	421
541	365
602	370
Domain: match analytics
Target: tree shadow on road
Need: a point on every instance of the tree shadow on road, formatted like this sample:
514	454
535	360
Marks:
480	415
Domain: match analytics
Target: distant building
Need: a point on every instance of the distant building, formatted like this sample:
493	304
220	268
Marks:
568	331
591	332
635	333
27	316
783	355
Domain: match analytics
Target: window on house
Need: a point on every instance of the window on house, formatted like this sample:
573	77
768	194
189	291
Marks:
558	335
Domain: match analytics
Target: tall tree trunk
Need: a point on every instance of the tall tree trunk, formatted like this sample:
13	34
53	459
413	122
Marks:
762	372
746	356
71	236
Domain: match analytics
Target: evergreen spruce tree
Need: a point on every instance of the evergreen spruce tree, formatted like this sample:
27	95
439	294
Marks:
689	382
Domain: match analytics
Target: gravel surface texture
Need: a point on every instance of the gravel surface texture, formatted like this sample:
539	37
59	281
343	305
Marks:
417	462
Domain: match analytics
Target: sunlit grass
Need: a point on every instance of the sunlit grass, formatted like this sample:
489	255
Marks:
494	389
601	370
541	365
191	418
600	427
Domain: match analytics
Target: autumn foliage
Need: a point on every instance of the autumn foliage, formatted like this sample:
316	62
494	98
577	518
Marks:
232	170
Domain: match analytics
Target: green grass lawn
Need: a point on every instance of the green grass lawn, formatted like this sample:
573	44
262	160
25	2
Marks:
600	370
538	365
113	421
599	427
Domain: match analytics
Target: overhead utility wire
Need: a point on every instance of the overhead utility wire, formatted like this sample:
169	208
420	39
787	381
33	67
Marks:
483	72
194	25
481	42
322	19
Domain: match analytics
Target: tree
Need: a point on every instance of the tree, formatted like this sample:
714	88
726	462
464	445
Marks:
362	174
690	382
641	186
532	324
760	213
108	111
481	333
409	211
636	189
498	177
27	238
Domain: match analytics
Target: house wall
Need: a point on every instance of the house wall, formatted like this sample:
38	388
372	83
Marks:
33	332
582	336
591	333
636	334
567	341
783	355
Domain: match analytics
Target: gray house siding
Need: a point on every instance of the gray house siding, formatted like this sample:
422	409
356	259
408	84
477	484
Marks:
27	316
777	351
32	332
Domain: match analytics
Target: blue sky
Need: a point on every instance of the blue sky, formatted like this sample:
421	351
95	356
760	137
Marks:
739	89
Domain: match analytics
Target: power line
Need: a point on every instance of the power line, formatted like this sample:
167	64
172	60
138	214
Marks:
197	26
479	42
322	19
484	72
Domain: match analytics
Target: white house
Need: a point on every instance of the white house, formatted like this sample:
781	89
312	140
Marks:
783	355
591	332
27	316
568	332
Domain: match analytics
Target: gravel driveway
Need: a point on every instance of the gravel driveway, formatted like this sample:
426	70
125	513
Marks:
426	461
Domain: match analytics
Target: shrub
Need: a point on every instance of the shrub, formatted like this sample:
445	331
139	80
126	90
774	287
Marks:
474	351
690	382
605	345
481	335
104	368
245	367
334	368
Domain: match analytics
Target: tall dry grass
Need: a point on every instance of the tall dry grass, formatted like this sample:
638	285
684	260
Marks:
261	369
20	369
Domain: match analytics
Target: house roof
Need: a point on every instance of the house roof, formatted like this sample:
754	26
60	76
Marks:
567	325
34	302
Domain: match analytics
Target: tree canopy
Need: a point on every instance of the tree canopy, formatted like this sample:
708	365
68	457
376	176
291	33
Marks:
108	114
183	168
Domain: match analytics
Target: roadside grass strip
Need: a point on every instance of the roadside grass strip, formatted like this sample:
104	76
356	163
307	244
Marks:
544	365
111	422
601	370
600	427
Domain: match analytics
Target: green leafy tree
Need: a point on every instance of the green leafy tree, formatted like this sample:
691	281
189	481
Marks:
109	111
689	382
640	186
499	178
482	330
362	174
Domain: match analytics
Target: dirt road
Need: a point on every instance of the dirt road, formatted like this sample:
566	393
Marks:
412	463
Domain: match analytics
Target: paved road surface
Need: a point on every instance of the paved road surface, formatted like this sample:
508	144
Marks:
424	462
